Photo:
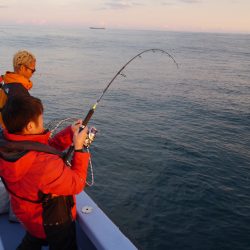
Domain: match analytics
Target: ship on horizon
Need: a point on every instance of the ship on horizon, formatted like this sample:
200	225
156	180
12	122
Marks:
97	28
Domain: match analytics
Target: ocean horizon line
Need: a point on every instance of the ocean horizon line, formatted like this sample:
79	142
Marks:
87	27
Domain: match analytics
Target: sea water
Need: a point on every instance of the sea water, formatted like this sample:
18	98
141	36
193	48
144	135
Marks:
172	155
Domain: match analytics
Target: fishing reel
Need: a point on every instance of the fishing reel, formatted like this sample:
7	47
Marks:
90	136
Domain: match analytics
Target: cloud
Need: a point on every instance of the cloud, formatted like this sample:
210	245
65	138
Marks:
175	2
190	1
120	4
126	4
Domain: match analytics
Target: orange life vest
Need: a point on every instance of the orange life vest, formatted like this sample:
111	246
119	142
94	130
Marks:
16	84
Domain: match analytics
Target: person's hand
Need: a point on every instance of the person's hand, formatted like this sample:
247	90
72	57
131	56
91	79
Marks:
76	125
79	138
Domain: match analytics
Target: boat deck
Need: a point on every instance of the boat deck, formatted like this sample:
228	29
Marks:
11	234
94	229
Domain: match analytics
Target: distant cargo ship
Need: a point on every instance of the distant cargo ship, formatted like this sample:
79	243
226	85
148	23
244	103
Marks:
97	28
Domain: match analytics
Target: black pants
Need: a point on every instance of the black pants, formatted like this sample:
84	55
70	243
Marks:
62	237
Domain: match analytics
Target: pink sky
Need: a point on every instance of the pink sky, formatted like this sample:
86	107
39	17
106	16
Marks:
179	15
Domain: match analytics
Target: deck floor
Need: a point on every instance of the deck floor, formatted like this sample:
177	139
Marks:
11	235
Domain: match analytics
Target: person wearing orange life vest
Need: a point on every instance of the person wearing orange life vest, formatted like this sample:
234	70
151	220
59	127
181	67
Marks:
17	82
41	185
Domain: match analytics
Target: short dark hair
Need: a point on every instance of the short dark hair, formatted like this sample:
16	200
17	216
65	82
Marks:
19	111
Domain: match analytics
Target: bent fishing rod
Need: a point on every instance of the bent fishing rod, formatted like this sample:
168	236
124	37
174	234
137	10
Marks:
93	108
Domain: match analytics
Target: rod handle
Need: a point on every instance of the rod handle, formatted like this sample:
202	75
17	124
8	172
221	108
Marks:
87	118
71	148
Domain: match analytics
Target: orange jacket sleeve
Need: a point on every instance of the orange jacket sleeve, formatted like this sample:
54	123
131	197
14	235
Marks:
62	140
61	180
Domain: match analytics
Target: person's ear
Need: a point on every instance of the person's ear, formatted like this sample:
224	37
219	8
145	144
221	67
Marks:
29	128
21	69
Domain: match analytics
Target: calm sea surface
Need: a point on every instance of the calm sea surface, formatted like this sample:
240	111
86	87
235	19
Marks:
172	157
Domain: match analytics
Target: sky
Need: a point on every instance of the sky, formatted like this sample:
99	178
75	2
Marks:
231	16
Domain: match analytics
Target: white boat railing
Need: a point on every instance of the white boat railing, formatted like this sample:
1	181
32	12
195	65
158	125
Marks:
101	231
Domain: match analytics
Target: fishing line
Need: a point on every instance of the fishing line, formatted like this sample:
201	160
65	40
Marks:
53	127
90	184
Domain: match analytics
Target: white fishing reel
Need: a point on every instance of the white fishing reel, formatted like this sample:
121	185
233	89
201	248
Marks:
91	136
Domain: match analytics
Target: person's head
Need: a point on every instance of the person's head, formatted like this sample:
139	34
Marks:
23	115
24	63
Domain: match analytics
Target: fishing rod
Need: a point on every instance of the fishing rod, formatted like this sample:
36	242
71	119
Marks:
93	108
